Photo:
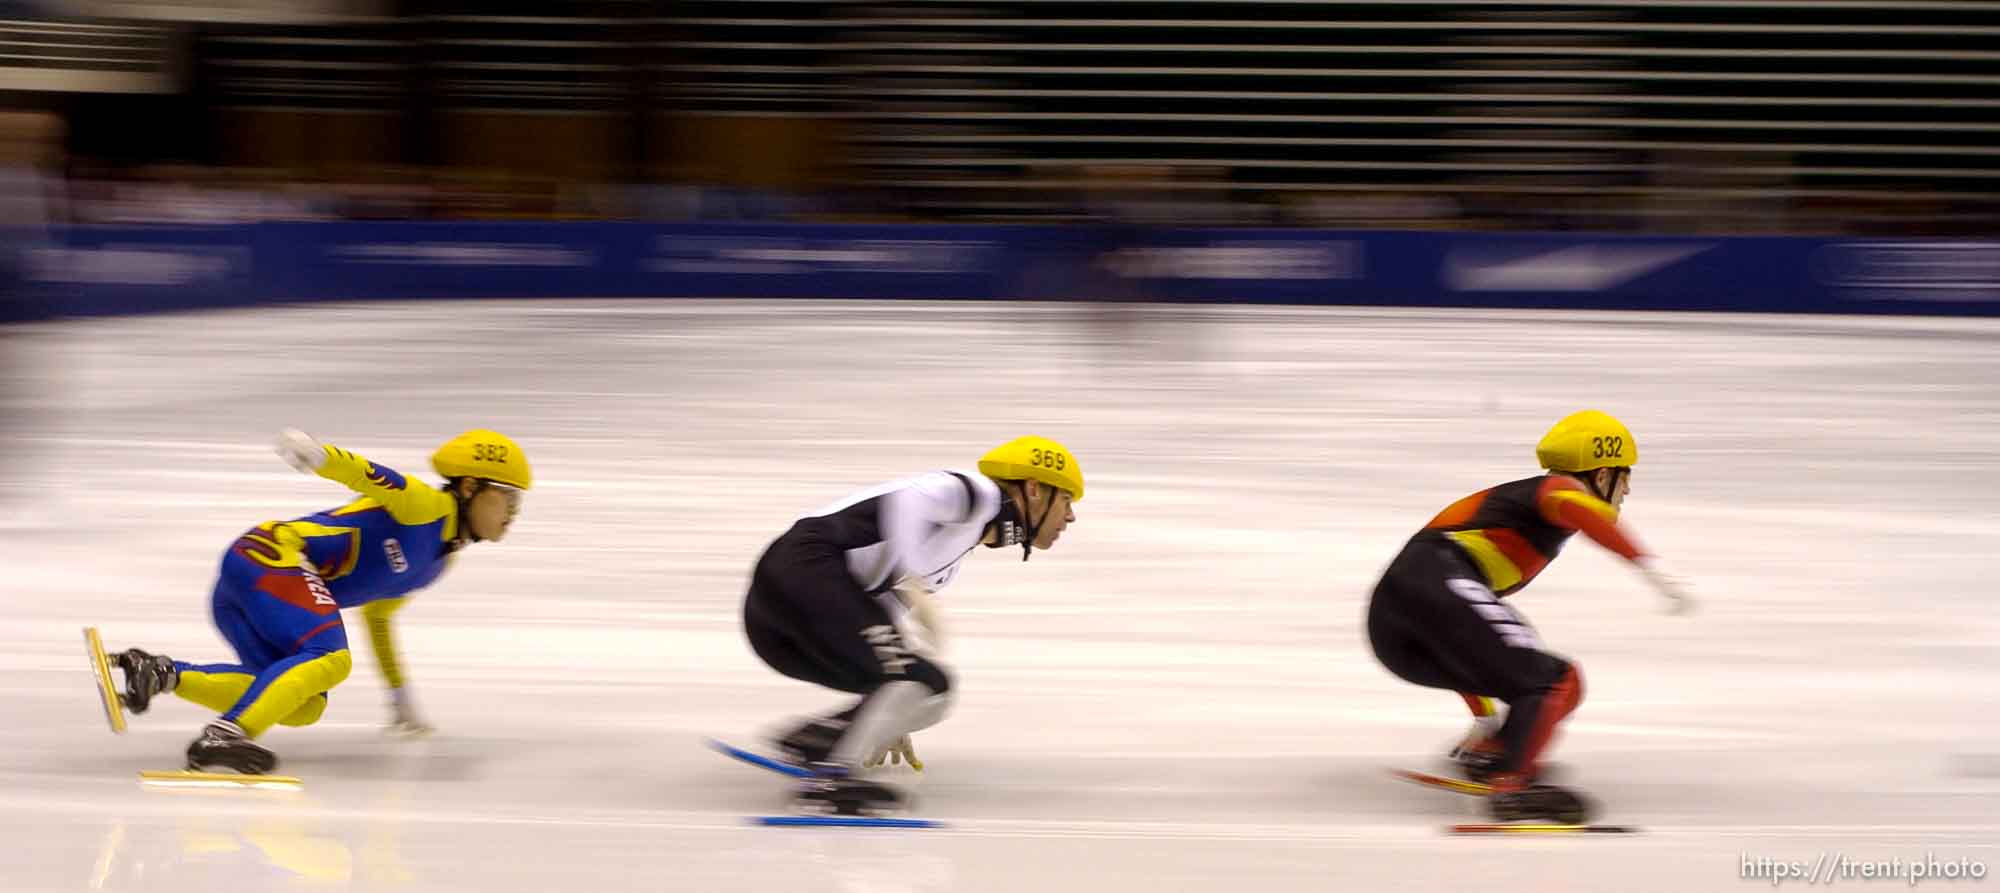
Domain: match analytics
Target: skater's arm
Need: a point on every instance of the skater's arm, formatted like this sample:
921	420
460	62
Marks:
382	636
409	502
909	515
404	719
1566	504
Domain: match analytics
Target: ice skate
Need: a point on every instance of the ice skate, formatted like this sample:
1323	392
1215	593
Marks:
836	794
146	675
1479	759
1536	803
223	748
813	741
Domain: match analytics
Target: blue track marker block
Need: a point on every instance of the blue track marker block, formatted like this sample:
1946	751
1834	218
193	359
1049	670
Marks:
841	821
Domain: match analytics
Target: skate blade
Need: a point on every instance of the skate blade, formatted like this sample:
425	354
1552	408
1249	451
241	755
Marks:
757	759
100	666
1539	828
841	821
186	778
1455	785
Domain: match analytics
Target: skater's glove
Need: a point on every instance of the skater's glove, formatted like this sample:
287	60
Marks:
1679	596
404	721
301	451
900	752
925	613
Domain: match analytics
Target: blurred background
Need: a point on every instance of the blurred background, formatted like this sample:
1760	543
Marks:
1710	116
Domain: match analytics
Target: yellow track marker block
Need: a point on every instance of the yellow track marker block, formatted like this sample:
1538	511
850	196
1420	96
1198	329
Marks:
1532	828
114	709
181	778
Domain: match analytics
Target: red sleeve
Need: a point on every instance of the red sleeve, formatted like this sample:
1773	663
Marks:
1566	504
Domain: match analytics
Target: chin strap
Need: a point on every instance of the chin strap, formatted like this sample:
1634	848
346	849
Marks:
1028	544
1610	487
1009	529
465	535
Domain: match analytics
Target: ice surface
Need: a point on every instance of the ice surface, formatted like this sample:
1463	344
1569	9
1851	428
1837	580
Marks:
1179	697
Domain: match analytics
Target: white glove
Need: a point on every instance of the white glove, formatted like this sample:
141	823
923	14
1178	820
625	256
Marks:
301	451
404	721
928	637
899	752
1673	588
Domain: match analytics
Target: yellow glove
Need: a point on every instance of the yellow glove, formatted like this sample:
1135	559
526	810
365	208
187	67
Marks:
899	752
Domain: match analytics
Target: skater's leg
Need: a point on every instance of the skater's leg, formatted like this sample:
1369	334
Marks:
1532	717
808	619
1539	688
910	692
1405	645
219	686
285	612
1445	627
216	686
1482	707
781	637
292	691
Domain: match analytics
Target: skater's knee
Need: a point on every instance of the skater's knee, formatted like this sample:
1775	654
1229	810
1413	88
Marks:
935	709
1559	686
322	672
931	711
308	713
1567	691
1538	675
335	667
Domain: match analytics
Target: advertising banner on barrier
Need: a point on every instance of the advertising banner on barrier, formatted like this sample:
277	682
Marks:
820	262
125	270
1911	273
381	261
89	270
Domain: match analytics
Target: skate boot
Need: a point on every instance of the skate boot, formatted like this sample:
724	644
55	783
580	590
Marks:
813	742
146	675
223	747
835	793
1479	759
1513	800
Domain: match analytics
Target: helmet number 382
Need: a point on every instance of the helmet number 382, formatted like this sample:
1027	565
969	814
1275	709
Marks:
1607	447
1048	459
494	452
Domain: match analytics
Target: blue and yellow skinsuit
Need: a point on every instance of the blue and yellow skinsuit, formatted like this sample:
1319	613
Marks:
282	585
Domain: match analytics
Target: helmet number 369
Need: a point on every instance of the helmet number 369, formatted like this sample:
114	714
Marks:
489	452
1048	459
1607	447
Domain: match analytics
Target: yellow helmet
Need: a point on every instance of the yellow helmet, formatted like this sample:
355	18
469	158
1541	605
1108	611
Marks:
1587	440
489	455
1035	458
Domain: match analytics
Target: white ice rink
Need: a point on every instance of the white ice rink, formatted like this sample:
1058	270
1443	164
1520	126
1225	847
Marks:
1178	697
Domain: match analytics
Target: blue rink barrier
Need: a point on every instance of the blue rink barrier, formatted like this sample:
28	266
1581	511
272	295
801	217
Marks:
91	270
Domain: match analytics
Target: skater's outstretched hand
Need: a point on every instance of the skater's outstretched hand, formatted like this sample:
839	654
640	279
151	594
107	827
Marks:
301	451
1672	587
900	752
404	722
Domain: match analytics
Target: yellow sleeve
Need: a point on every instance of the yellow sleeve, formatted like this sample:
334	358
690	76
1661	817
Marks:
380	635
409	502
